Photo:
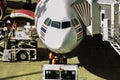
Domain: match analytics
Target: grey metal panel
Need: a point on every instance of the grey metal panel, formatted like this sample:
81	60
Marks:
95	18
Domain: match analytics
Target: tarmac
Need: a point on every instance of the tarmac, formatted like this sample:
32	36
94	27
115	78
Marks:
96	59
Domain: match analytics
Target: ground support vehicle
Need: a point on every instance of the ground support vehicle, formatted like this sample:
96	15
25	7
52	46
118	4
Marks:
16	52
60	72
20	47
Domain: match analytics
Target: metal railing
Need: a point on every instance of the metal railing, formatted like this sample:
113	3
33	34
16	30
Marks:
114	40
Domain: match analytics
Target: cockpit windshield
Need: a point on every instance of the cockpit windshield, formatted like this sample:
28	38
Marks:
66	24
55	24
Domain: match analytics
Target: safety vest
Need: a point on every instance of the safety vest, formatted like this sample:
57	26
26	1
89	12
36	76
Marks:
54	61
14	25
51	56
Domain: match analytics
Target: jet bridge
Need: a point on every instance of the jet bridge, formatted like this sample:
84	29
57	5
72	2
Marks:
100	17
110	28
87	12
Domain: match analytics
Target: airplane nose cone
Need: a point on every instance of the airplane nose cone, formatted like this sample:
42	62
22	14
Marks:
55	38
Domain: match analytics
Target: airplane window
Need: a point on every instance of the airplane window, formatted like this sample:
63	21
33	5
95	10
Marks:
47	21
66	24
78	30
55	24
74	22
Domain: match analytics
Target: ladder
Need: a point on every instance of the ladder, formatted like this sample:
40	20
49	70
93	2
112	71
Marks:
112	35
115	41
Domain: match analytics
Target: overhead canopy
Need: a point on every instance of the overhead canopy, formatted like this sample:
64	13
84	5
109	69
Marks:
22	13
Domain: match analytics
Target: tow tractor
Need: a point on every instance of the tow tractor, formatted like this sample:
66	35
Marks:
60	72
19	47
59	69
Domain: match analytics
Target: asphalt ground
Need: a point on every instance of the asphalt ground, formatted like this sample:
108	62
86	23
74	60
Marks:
96	59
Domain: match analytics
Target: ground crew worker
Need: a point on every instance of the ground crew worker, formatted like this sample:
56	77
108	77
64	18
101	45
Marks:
57	59
60	58
14	24
14	27
51	57
8	24
64	60
54	60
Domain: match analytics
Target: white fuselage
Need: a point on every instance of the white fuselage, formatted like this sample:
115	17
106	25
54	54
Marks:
57	25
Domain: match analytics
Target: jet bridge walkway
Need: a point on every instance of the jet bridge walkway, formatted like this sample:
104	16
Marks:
89	13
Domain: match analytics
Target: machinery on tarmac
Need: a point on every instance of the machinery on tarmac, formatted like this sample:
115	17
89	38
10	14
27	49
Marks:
60	72
58	69
2	25
20	46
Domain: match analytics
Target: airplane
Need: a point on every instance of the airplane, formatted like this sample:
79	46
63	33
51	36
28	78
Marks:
58	26
3	7
62	25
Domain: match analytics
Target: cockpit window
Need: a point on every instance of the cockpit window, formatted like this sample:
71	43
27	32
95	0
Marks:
65	24
55	24
47	21
74	22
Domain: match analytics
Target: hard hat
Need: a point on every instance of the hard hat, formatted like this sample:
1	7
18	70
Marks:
51	56
28	23
8	21
56	57
53	61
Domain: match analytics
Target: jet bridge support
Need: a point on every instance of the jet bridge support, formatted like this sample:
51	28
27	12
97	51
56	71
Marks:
110	28
100	17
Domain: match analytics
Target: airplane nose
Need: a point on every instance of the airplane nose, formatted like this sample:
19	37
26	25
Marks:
55	38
